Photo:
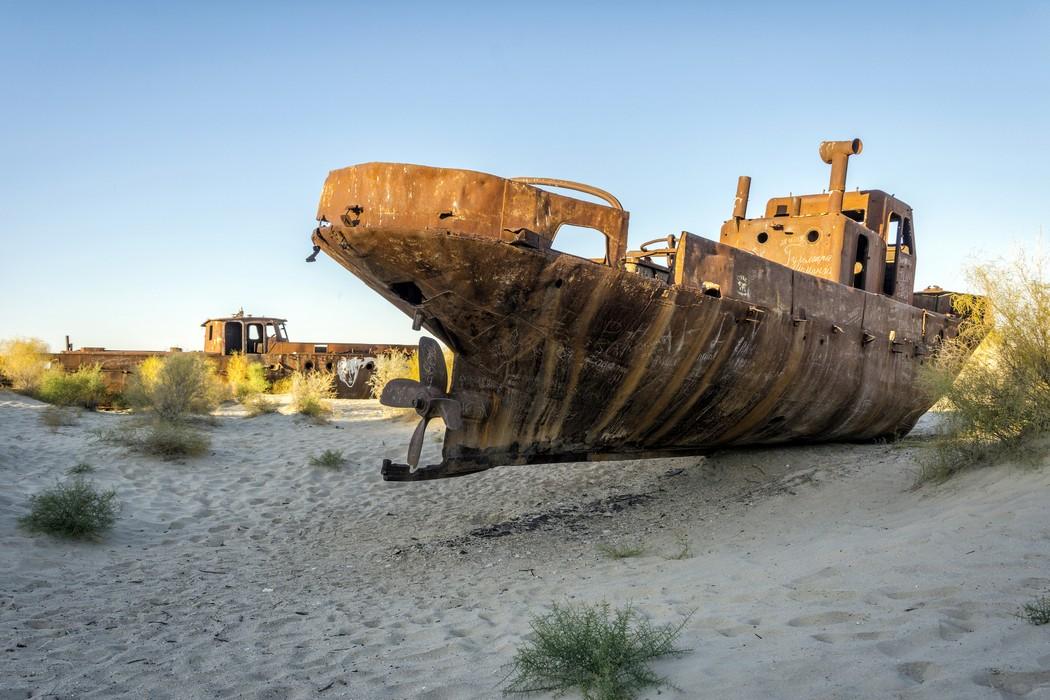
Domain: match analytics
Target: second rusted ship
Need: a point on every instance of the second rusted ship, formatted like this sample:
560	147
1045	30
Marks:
799	325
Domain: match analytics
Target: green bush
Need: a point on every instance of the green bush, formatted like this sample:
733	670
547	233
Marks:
997	399
175	386
84	387
330	459
604	653
72	509
23	362
1037	612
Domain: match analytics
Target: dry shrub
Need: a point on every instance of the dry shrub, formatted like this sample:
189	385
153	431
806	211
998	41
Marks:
85	387
55	417
159	438
400	364
172	440
620	551
23	362
259	405
175	386
311	392
282	386
393	364
245	378
998	399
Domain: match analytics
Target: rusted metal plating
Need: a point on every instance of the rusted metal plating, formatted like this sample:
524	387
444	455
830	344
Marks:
800	325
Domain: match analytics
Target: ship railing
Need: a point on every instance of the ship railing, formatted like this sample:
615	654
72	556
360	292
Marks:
641	261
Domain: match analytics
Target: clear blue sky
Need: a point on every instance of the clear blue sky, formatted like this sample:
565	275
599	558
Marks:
160	162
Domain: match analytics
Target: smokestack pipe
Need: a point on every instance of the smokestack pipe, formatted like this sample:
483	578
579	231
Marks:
837	154
743	190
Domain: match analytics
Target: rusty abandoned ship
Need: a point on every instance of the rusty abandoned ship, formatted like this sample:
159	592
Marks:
798	325
262	339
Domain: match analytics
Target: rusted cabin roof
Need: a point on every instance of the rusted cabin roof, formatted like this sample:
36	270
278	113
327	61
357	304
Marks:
246	317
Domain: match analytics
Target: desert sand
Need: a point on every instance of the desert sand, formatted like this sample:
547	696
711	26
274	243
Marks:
811	572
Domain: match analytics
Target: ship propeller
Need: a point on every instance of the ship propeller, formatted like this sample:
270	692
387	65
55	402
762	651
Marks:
428	396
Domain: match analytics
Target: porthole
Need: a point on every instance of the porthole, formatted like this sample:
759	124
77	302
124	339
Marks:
763	237
812	236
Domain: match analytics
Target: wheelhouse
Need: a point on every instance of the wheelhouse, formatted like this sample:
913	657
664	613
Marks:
243	334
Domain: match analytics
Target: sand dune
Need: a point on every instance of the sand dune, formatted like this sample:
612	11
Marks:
813	572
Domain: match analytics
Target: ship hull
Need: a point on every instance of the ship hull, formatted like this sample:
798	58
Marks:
558	358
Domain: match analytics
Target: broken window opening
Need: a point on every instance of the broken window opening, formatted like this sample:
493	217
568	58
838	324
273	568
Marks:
860	262
255	339
408	291
581	241
232	337
855	214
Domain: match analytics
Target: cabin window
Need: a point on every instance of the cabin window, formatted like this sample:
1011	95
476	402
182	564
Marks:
860	262
893	232
581	241
782	210
211	329
855	214
274	332
899	242
255	338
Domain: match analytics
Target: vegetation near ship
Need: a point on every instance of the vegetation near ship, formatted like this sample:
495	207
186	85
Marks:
798	325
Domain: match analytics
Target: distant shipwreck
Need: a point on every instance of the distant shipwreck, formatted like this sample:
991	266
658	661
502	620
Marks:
799	325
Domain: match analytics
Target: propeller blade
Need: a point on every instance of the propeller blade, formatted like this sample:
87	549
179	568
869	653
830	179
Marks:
400	393
432	372
415	447
451	412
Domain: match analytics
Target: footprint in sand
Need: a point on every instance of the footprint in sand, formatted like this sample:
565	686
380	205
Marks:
822	576
918	671
835	617
813	595
924	593
1018	683
946	630
838	637
951	631
734	631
